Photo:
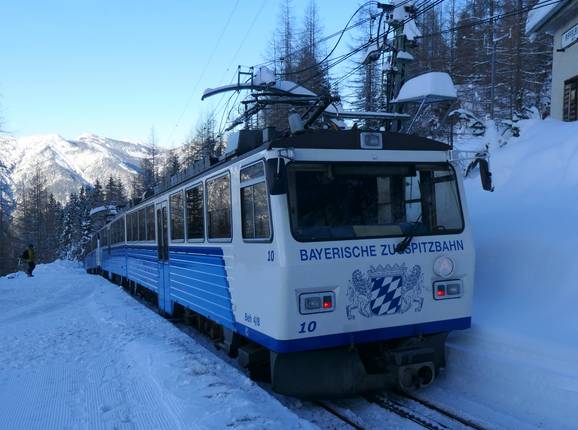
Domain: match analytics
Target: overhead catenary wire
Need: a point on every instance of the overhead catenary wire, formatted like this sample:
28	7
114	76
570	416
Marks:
204	70
247	33
317	64
322	40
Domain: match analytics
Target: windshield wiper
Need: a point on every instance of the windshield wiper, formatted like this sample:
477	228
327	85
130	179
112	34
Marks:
402	246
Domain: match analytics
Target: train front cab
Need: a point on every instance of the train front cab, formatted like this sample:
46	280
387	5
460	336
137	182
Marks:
363	311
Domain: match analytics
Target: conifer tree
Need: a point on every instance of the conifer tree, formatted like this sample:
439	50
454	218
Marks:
68	236
110	191
120	196
83	223
172	165
97	196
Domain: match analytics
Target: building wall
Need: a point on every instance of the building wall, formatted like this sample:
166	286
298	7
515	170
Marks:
565	66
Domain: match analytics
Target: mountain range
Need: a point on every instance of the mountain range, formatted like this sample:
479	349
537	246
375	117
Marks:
67	163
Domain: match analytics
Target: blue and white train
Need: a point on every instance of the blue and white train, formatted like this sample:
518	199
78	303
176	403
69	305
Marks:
336	260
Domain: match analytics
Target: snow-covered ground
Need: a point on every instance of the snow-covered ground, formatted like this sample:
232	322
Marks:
79	353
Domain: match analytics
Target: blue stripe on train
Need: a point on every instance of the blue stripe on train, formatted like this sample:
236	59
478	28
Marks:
198	281
143	266
90	260
115	262
197	278
357	337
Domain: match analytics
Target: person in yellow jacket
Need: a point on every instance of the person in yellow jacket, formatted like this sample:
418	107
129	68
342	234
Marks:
28	257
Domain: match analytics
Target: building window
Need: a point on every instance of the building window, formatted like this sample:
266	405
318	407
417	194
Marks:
195	213
255	216
177	217
150	220
571	100
219	208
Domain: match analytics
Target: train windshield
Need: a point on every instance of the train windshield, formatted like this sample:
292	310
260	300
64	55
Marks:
340	201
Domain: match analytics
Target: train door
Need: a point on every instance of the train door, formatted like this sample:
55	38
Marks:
165	303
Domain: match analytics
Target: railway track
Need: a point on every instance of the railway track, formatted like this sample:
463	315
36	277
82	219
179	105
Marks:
340	414
422	413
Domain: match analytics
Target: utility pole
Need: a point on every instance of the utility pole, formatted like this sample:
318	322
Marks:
396	71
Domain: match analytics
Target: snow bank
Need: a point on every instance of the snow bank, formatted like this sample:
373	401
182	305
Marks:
527	234
517	365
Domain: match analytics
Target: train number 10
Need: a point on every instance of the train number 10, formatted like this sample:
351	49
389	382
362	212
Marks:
270	255
308	327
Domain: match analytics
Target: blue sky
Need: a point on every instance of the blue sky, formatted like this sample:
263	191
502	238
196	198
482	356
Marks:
118	68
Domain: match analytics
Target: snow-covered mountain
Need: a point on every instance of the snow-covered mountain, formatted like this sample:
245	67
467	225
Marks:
67	164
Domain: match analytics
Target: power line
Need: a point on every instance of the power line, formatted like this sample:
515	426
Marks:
202	75
247	33
243	40
322	40
492	18
334	46
367	44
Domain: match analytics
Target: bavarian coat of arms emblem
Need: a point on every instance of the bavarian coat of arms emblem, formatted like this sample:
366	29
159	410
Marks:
385	290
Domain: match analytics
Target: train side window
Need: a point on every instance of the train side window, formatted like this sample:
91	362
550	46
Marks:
150	222
219	207
177	217
141	225
113	234
129	228
195	213
121	230
134	228
255	213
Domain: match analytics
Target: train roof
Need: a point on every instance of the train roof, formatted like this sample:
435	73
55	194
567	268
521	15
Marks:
351	139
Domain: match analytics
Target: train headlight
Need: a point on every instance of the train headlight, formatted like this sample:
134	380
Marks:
443	266
313	303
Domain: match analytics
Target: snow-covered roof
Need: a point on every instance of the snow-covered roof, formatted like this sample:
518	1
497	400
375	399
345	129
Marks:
432	87
541	14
